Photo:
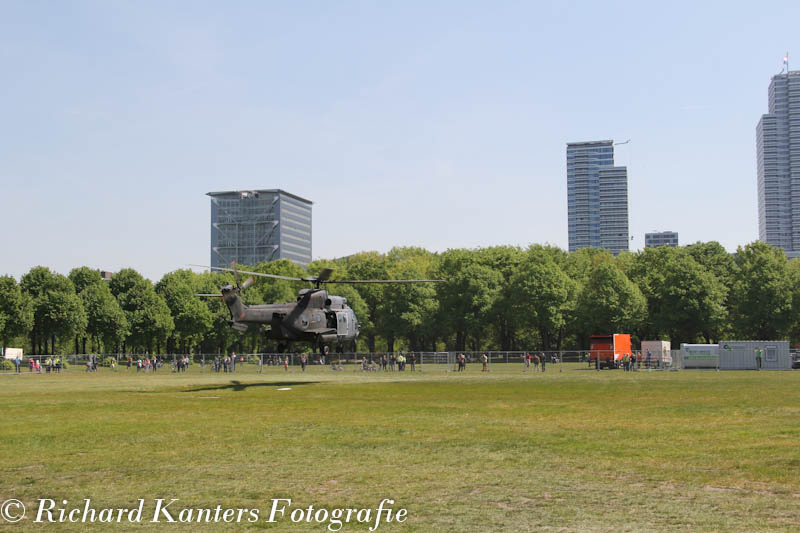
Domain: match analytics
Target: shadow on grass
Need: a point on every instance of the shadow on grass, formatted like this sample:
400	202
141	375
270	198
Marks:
238	386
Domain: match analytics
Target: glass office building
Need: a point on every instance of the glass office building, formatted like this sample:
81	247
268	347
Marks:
660	238
252	227
597	198
778	165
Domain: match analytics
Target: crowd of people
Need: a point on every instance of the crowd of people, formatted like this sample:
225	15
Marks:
386	362
390	363
536	360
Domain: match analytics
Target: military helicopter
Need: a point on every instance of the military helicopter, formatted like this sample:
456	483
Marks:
317	317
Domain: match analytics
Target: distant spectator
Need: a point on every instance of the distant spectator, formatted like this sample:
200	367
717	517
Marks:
413	360
485	363
544	362
536	362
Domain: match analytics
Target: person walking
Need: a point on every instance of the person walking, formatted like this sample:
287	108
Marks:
527	358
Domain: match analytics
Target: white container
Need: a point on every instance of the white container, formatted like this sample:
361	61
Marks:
660	354
700	355
742	355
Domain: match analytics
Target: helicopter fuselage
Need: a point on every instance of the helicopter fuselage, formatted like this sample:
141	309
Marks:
316	317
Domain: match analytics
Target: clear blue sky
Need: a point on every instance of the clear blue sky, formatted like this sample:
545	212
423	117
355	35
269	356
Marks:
432	123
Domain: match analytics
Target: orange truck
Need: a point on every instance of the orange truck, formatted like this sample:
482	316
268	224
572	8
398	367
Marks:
609	349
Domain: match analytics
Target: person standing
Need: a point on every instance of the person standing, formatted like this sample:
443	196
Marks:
485	363
413	357
544	362
527	358
758	358
536	362
286	364
303	361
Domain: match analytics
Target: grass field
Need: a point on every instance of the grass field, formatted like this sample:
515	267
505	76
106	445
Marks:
576	450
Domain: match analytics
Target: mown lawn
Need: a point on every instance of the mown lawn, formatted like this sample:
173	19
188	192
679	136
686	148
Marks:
576	450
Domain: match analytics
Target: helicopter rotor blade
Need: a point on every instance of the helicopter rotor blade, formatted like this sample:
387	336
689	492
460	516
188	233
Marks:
276	276
235	272
386	281
208	295
324	275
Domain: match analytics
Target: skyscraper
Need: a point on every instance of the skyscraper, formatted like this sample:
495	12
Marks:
252	227
597	197
778	152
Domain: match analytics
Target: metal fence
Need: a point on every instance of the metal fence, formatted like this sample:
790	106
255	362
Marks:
361	361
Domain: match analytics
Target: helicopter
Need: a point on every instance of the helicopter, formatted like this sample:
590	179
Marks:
317	317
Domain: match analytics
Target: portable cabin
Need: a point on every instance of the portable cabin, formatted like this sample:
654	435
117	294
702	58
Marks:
743	355
660	354
700	355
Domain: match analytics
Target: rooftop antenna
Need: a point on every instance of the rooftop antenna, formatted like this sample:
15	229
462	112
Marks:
786	62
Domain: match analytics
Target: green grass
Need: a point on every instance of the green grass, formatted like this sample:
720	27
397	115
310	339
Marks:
576	450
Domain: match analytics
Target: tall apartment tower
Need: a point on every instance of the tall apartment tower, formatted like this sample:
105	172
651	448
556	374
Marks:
778	151
597	197
252	227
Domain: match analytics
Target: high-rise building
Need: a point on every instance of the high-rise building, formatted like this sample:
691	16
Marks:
778	152
597	197
660	238
252	227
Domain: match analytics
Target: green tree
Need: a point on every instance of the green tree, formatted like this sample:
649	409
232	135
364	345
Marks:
369	265
16	311
503	319
221	336
716	260
609	302
83	277
191	317
106	322
761	296
542	294
57	310
467	296
147	313
409	308
692	302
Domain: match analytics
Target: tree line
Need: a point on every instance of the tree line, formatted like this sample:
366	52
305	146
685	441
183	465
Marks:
496	298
